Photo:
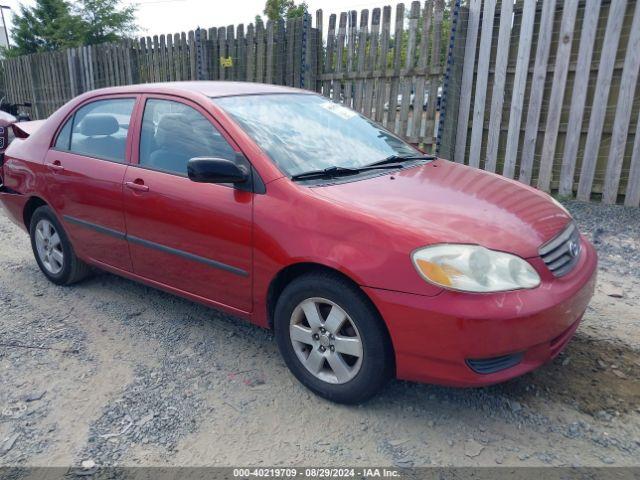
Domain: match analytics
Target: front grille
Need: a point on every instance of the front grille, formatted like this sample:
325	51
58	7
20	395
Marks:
561	253
495	364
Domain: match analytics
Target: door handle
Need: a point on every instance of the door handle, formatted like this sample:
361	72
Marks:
138	186
55	166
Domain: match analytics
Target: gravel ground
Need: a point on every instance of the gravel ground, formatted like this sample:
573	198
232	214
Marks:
113	372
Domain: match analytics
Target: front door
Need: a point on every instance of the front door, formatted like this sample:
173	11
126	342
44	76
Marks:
191	236
86	167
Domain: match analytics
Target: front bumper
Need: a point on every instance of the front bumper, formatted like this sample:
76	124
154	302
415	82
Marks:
435	337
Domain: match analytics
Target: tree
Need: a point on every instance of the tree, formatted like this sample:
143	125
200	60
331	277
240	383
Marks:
53	24
48	25
105	21
295	11
282	9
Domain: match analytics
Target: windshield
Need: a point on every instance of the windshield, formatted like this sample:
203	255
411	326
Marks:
302	133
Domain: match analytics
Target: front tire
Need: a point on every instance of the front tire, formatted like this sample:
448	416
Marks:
53	250
333	339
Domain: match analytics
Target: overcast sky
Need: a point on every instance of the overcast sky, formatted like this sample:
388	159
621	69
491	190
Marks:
170	16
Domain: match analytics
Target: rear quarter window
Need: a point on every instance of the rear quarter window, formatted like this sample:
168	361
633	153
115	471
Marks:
63	141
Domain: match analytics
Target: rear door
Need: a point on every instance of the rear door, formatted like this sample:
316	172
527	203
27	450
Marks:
194	237
85	170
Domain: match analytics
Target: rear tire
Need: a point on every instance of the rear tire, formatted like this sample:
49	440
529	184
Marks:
343	353
53	250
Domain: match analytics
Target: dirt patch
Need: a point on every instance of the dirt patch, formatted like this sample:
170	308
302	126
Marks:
598	377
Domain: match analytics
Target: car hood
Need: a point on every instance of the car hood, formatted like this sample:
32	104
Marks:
453	203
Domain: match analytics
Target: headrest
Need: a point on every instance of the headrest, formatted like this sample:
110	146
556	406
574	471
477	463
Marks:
173	127
99	124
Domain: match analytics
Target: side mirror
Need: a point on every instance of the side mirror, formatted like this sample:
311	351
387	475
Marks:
215	170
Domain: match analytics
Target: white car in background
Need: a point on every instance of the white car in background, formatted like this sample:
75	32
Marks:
412	99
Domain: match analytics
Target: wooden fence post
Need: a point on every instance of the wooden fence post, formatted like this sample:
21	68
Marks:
407	74
467	79
397	60
199	51
603	84
328	58
319	51
537	91
421	80
626	95
579	96
34	101
381	89
520	81
557	93
482	77
499	81
71	63
339	57
451	88
370	63
632	196
270	52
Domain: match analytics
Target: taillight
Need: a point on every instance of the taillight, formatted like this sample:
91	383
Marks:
5	130
6	120
4	143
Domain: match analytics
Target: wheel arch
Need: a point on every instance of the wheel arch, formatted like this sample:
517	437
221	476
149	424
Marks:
296	270
287	275
291	272
30	207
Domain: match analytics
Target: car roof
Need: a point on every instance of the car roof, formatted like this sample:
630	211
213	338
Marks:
207	88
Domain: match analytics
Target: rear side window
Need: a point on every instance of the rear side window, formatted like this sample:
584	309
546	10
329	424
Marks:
173	133
99	129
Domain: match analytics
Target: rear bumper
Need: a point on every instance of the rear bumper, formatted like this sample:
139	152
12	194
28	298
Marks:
436	337
13	204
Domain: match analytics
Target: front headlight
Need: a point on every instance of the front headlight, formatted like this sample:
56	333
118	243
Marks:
472	268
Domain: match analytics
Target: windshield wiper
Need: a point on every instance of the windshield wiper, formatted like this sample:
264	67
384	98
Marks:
392	159
331	172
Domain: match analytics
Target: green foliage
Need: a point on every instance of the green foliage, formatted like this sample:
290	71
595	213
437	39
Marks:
282	9
54	24
105	21
296	11
48	25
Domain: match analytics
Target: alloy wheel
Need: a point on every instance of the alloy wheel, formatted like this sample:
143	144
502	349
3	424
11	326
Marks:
326	340
49	247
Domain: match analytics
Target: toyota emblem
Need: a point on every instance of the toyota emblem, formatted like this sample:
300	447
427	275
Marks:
574	248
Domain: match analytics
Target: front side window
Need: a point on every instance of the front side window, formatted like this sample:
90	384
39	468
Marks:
173	133
100	129
302	133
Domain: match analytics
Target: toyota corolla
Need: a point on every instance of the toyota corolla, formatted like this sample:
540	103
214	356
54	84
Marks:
369	258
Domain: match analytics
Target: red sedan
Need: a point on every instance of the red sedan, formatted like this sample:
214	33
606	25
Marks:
367	257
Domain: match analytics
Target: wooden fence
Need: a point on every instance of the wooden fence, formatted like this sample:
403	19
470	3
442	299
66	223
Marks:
394	83
548	94
544	91
390	76
386	75
272	53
